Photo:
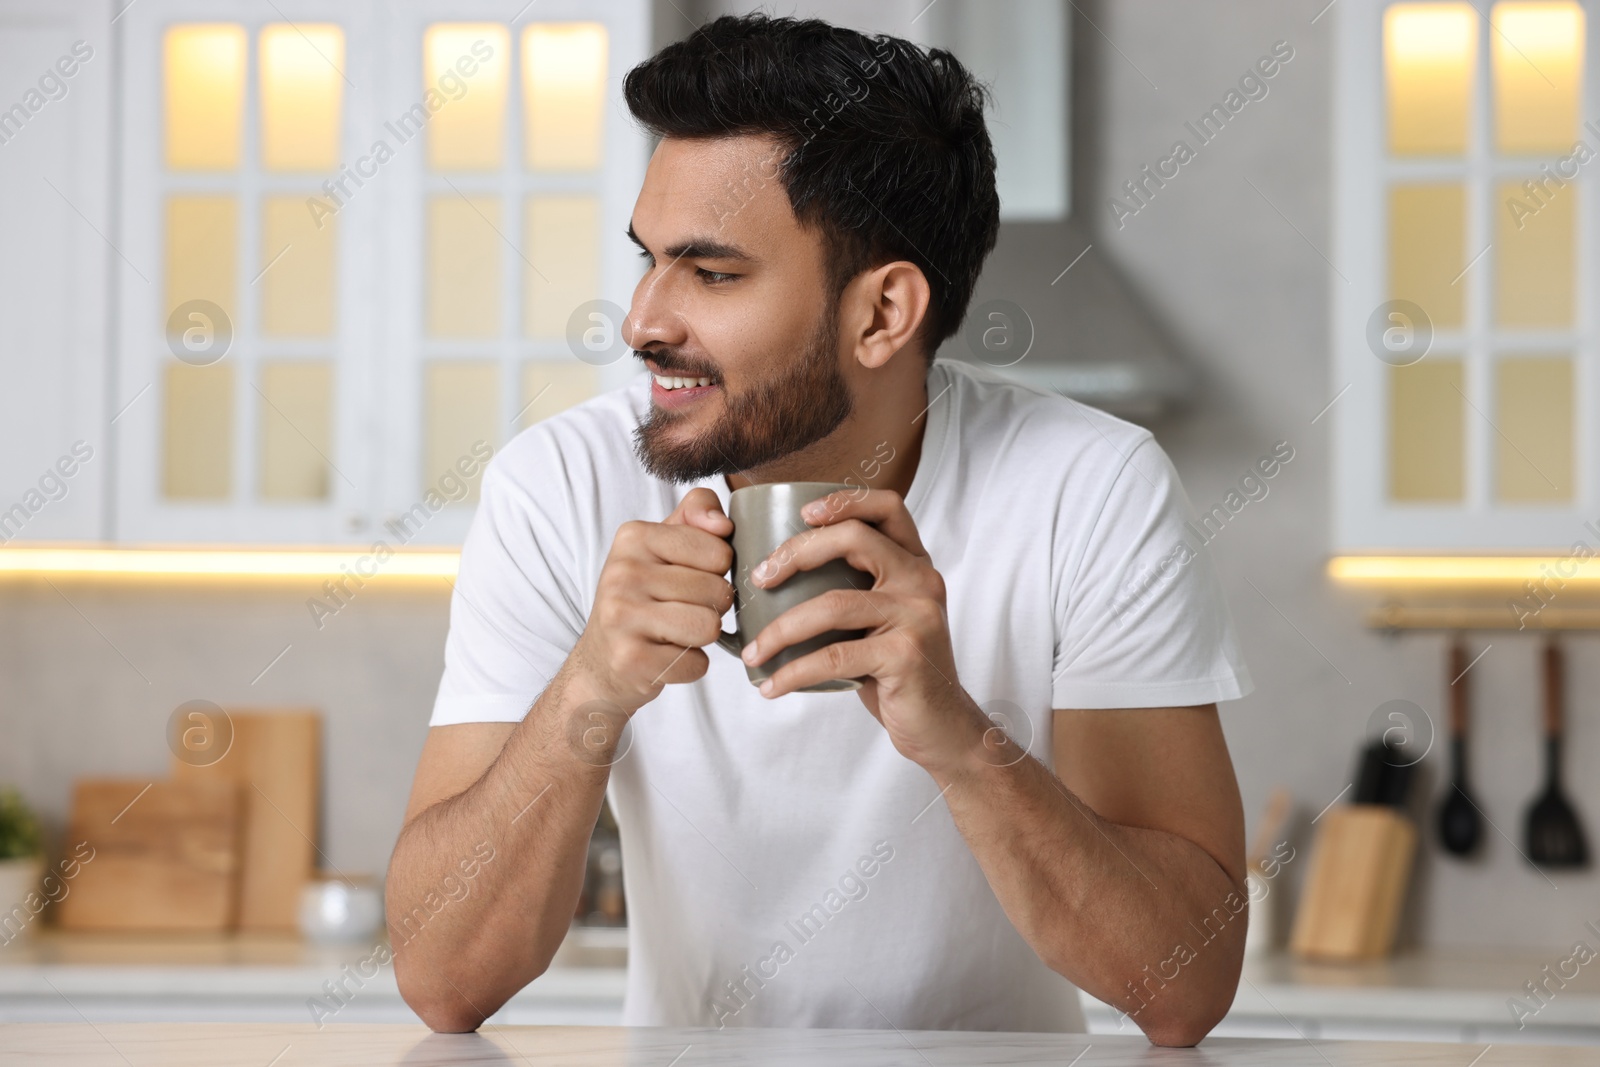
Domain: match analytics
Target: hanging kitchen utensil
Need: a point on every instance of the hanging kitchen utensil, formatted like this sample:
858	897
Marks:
1370	769
1554	837
1460	824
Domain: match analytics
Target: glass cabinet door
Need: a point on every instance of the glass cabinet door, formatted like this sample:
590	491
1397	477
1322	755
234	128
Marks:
248	348
367	229
512	199
1464	313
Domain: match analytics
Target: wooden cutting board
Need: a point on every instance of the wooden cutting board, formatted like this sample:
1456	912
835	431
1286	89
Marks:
274	761
1360	866
165	855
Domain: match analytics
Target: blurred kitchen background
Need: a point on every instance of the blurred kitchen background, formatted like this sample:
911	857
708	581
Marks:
235	333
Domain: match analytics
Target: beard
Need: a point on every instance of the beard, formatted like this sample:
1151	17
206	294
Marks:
802	404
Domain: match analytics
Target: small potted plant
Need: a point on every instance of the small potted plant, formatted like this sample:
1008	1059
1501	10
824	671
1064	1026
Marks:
21	864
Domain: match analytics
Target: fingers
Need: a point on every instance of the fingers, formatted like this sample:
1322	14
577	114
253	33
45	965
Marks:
639	585
678	665
837	609
842	659
700	508
863	547
686	585
661	596
679	543
683	625
883	508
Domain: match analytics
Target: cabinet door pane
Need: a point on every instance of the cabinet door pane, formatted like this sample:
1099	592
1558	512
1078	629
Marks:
1533	417
1427	249
1534	246
563	87
551	386
1537	50
297	265
296	420
202	252
302	91
463	269
1428	52
1427	457
197	432
462	408
563	246
203	68
466	75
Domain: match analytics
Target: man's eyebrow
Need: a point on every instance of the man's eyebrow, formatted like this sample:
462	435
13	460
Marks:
696	248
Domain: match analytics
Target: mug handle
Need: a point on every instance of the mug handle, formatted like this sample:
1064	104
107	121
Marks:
731	643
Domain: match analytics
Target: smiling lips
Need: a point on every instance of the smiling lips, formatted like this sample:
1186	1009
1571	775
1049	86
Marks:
668	381
671	391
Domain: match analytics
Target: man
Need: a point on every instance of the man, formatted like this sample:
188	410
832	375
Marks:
812	224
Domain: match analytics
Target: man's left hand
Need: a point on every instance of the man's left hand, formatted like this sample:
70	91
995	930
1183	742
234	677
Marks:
905	660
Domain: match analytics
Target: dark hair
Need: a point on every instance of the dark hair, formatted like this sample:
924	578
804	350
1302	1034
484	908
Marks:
886	151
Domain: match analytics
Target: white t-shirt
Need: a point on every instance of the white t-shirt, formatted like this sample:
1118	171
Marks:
784	865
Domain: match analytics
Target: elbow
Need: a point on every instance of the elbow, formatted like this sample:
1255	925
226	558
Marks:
447	1018
1183	1028
438	1002
445	1011
1178	1033
447	1004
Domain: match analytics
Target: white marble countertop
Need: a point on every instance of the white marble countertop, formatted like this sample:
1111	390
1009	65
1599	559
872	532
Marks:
1452	996
173	1045
54	977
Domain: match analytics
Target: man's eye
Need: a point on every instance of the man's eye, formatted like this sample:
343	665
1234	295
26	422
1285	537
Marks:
714	276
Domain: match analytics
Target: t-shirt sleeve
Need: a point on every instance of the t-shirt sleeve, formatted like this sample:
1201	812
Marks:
514	614
1140	616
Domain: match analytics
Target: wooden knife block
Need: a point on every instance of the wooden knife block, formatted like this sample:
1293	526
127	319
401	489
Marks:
1360	867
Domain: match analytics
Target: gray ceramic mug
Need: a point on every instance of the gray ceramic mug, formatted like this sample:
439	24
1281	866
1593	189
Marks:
764	517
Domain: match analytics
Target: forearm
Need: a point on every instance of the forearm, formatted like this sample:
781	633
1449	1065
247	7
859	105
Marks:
1144	920
462	947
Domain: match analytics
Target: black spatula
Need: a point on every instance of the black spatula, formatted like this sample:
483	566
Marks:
1554	836
1460	825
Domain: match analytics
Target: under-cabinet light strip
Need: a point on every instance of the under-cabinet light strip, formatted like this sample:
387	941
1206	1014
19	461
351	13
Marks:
225	562
1461	571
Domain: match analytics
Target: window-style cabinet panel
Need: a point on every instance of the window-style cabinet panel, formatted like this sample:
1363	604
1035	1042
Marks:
1429	52
364	231
56	70
1464	312
507	224
252	341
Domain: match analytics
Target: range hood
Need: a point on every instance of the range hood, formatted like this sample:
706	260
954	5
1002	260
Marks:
1093	339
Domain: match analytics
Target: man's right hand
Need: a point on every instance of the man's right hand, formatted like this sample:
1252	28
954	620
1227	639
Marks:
660	599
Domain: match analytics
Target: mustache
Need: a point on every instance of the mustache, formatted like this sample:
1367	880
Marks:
672	362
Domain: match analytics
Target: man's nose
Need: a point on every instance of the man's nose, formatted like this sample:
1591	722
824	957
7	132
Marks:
654	318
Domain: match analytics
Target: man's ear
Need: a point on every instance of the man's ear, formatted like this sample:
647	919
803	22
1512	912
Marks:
886	308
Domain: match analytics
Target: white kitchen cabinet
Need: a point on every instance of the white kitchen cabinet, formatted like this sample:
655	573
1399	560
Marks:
340	224
203	210
499	234
56	65
1464	397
